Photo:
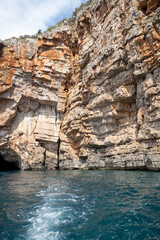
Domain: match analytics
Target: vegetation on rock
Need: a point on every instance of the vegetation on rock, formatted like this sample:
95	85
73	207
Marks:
70	21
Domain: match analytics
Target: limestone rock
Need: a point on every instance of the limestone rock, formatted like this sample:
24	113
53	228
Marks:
85	96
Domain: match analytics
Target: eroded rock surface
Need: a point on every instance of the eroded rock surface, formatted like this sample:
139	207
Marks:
85	96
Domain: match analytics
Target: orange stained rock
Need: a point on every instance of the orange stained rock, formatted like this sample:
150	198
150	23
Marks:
40	42
156	35
26	64
146	47
76	145
143	43
152	5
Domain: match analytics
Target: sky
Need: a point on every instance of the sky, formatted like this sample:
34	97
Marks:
20	17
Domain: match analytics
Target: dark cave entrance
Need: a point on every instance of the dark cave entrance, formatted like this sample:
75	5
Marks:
7	166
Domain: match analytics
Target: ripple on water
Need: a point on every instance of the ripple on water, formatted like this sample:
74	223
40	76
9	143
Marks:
80	205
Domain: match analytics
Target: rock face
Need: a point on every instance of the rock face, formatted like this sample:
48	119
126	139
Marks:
85	96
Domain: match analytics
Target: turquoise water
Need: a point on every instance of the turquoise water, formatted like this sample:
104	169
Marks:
79	205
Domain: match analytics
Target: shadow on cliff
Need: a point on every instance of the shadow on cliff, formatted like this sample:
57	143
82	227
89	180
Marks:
1	48
9	160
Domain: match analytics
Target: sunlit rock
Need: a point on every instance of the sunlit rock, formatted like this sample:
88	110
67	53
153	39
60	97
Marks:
85	95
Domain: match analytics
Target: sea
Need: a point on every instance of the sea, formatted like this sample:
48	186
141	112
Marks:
79	205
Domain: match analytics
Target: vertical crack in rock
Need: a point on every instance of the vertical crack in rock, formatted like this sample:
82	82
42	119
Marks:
58	151
137	128
56	115
44	160
58	142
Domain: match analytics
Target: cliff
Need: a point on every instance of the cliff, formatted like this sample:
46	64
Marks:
86	95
